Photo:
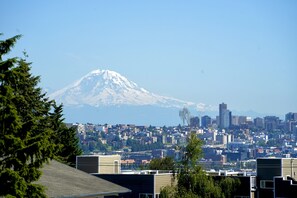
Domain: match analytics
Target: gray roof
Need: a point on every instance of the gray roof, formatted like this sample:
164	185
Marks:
61	180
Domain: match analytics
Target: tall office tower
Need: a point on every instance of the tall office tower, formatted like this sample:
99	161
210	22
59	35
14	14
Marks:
222	109
230	118
195	122
259	123
271	123
295	116
224	116
226	121
205	121
291	122
291	117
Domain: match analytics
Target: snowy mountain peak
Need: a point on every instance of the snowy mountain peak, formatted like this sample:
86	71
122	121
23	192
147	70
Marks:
104	77
105	74
109	88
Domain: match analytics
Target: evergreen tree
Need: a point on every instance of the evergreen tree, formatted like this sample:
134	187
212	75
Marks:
65	138
192	152
229	186
166	163
25	127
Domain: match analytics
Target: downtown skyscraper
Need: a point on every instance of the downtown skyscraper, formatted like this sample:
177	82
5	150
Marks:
224	116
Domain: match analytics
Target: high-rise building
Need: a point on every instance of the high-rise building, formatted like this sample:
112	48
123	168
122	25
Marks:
291	122
235	120
294	129
225	116
195	122
222	109
242	120
291	117
205	121
271	123
259	123
227	120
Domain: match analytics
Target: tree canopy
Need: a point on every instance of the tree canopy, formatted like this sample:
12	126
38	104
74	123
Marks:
192	179
31	132
166	163
65	138
25	131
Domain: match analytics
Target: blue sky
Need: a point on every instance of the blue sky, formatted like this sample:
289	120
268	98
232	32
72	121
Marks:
243	53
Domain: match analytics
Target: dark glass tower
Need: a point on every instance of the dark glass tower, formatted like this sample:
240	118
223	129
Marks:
225	116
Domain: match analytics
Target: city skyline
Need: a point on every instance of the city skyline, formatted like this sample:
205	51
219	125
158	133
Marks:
242	53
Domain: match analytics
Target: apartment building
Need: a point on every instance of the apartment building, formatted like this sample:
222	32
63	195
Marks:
107	164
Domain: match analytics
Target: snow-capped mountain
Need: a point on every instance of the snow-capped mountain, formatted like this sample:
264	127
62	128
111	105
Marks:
106	96
106	88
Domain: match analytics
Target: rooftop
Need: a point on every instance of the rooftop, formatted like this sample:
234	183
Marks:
61	180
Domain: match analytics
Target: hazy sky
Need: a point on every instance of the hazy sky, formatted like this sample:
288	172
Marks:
243	53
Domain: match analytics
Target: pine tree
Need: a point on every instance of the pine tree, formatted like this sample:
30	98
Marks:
65	138
25	127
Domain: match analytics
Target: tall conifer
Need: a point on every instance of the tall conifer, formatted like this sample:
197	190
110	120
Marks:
25	127
65	138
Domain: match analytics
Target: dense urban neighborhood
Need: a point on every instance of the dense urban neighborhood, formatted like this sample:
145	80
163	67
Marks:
230	142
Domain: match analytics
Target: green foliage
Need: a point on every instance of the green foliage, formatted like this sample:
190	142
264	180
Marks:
229	186
65	138
193	181
25	127
168	192
192	152
197	183
92	143
30	135
166	163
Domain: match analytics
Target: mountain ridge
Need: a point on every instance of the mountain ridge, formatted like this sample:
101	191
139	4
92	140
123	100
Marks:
108	88
104	96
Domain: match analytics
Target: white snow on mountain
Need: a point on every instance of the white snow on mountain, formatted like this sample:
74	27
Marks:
108	88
